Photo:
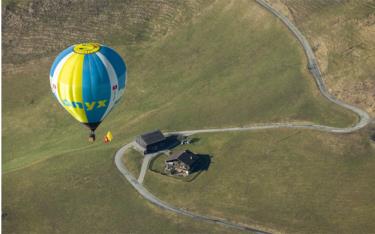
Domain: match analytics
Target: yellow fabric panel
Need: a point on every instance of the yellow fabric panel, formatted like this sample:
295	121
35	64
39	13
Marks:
70	87
109	136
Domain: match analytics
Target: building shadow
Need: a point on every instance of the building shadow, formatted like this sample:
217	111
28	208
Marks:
169	143
172	141
194	140
202	164
372	137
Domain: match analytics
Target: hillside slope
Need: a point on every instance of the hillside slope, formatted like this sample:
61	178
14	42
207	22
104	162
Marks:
191	65
342	33
225	61
39	28
280	180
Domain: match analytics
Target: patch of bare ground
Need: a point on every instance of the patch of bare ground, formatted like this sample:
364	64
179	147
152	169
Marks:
342	36
281	7
359	93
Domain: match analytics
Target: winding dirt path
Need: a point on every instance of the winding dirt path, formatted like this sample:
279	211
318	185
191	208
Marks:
364	119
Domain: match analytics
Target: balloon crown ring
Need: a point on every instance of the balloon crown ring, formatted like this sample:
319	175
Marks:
87	48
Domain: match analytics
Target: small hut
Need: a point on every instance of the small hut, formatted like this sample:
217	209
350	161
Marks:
181	163
151	141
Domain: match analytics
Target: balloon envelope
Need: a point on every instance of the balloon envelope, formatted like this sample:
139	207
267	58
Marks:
88	80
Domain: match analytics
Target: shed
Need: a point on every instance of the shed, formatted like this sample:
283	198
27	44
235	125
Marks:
181	163
151	141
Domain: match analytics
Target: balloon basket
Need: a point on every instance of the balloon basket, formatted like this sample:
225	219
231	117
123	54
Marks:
92	137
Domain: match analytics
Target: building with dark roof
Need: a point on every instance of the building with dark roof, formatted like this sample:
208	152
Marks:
181	163
151	141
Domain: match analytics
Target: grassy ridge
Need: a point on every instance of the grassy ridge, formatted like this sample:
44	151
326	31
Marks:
289	180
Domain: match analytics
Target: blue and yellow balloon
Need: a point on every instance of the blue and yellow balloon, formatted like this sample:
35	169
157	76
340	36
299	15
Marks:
88	80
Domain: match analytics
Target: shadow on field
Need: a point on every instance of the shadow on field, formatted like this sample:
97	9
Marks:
202	164
372	137
169	143
194	140
172	141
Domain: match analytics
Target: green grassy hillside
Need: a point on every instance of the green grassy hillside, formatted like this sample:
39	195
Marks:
227	67
290	181
193	65
82	192
133	161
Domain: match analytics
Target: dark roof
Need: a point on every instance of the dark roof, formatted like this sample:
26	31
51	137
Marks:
186	157
153	137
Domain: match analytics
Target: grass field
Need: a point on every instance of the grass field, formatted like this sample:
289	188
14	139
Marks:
290	181
83	193
175	84
229	65
133	161
157	164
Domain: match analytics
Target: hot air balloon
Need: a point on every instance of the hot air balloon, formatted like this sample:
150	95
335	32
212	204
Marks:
88	80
